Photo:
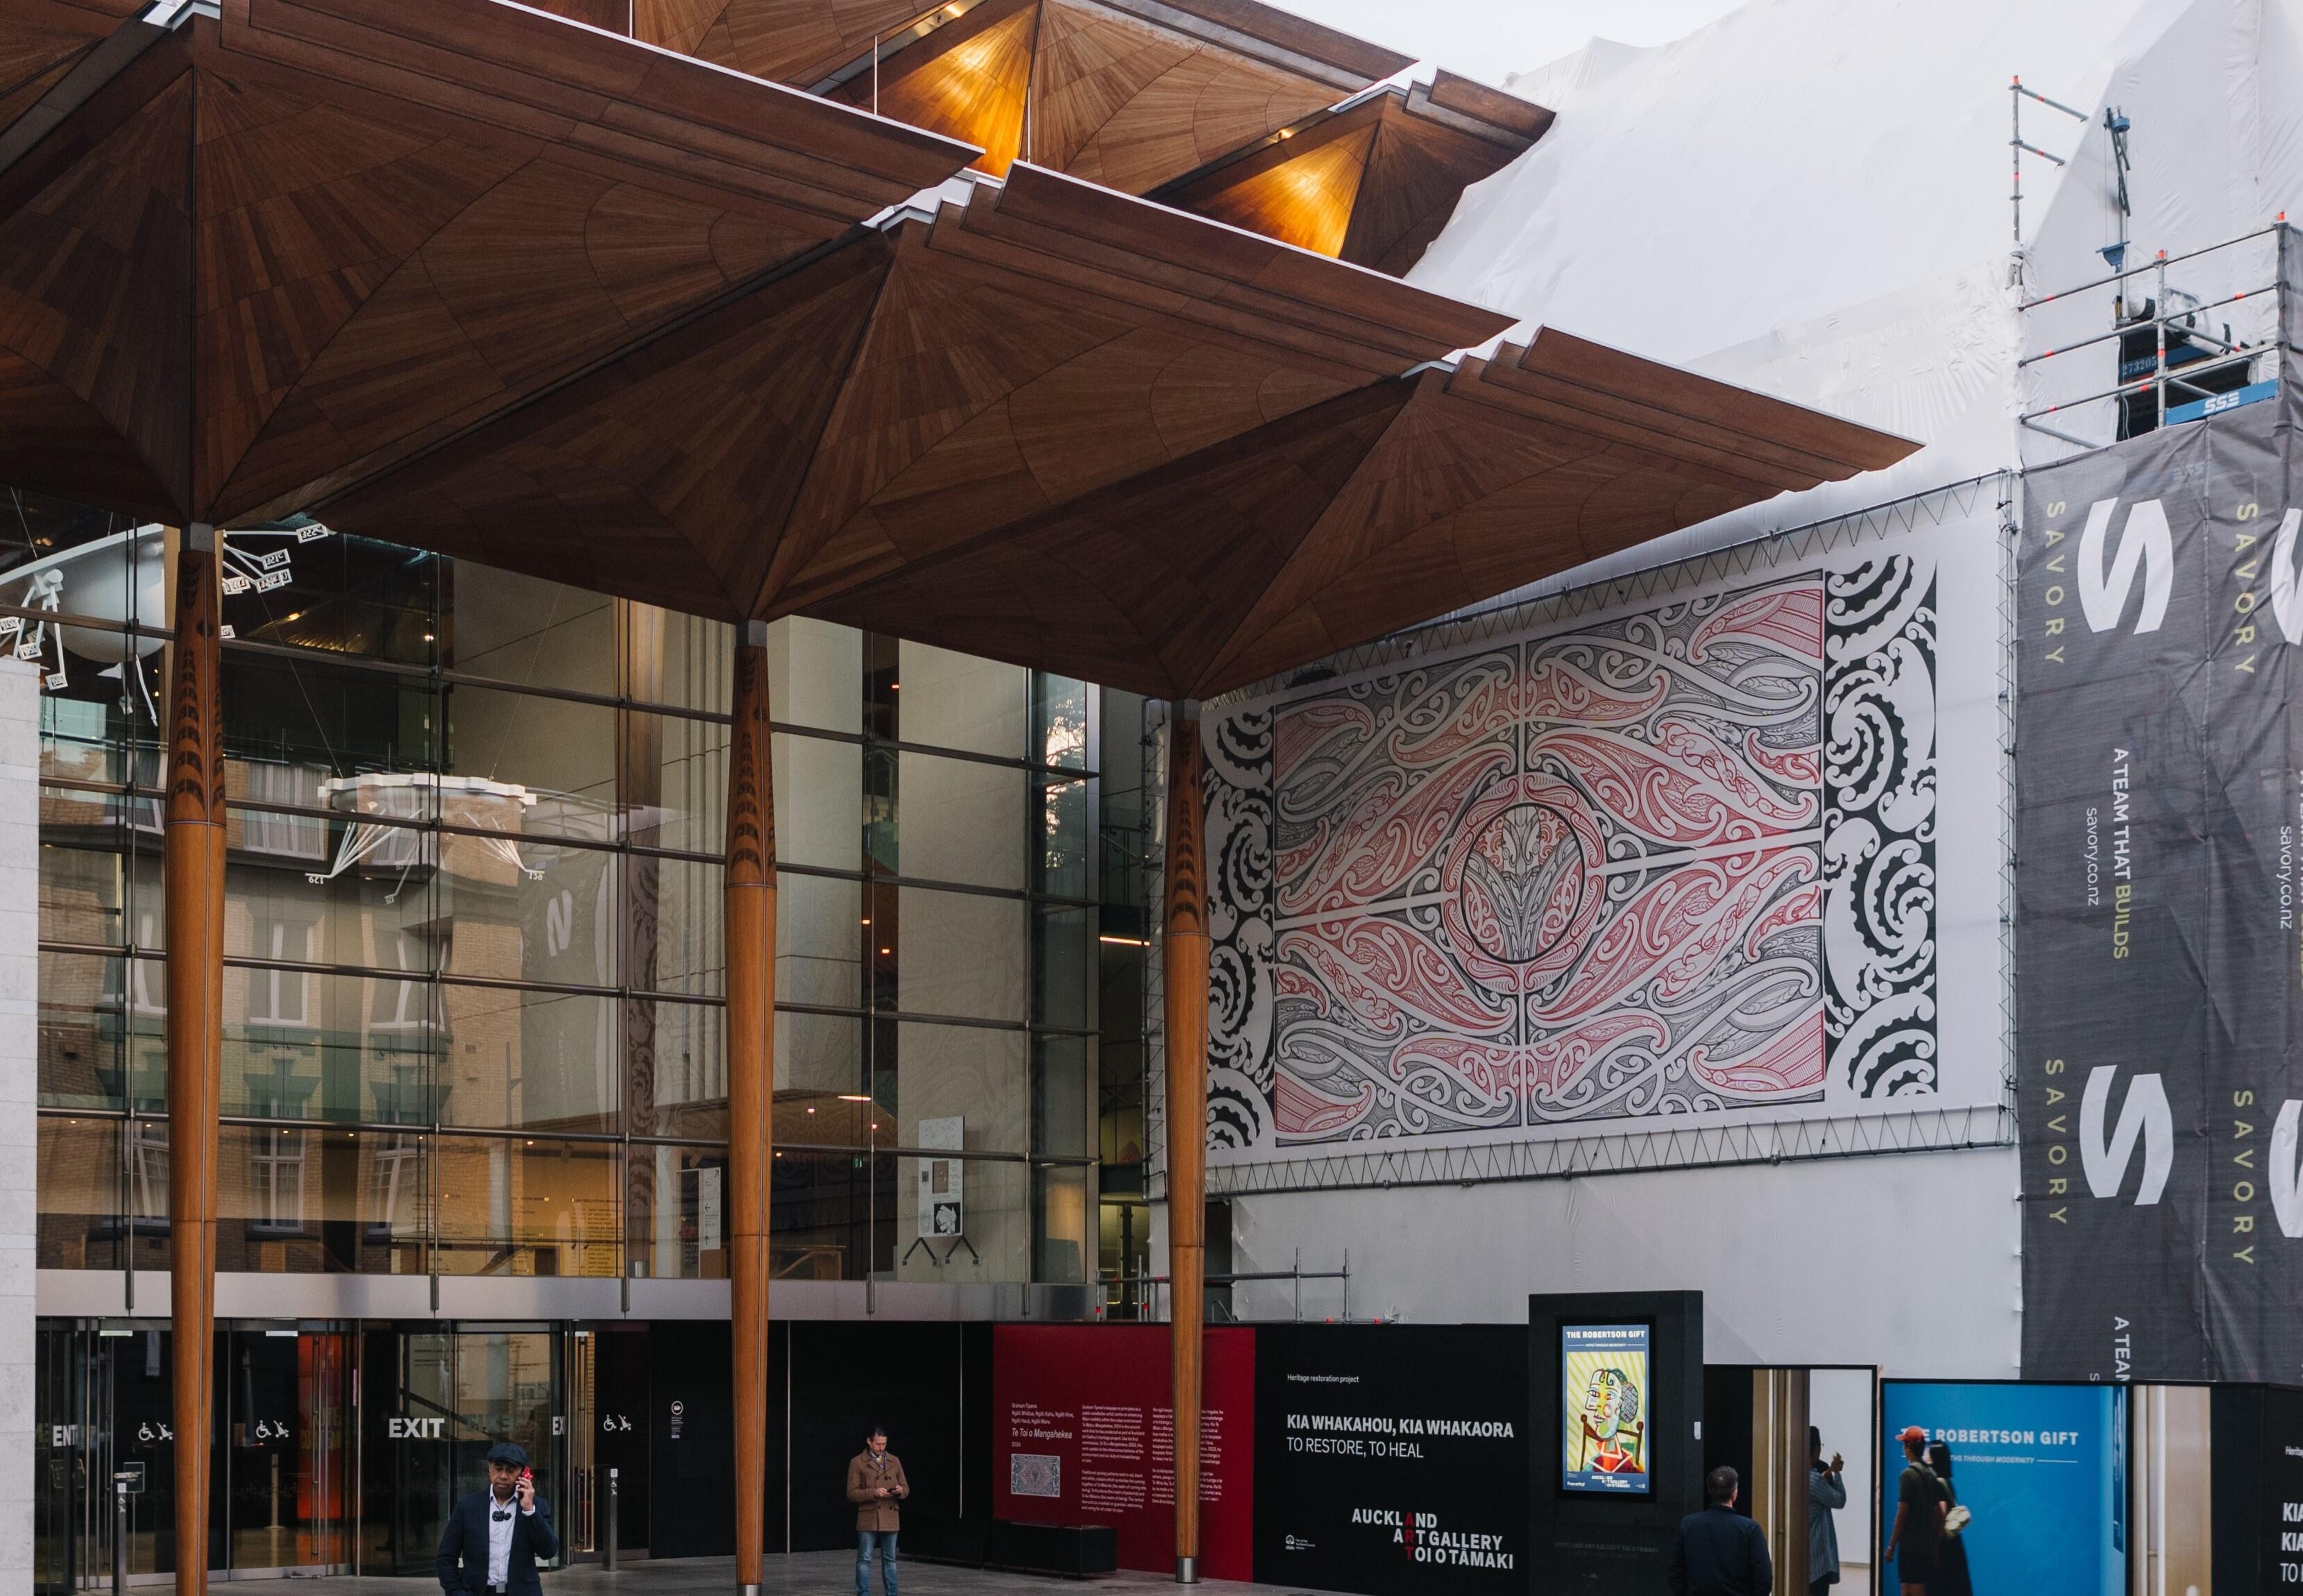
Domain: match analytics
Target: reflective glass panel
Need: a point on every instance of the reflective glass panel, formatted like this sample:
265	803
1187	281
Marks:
335	1202
529	1206
960	954
79	1194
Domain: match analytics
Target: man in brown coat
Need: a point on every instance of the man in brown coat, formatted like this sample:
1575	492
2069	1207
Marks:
877	1485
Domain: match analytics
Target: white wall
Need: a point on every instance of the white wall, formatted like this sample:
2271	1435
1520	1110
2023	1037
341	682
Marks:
1910	1261
1839	1404
19	933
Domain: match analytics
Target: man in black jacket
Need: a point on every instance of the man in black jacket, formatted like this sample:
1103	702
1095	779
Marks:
1719	1552
500	1533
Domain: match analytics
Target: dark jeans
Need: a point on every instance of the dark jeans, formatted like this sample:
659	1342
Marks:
887	1540
1819	1587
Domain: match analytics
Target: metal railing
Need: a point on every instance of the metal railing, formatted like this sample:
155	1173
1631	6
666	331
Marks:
2193	364
1147	1308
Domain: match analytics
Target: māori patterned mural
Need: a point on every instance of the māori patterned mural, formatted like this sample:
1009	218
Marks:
1676	860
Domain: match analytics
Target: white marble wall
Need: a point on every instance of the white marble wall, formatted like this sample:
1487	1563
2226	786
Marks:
19	964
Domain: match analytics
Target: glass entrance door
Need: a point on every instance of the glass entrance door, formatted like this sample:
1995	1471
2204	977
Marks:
435	1400
289	1452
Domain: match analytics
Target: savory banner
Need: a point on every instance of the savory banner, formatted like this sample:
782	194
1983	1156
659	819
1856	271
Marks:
2157	806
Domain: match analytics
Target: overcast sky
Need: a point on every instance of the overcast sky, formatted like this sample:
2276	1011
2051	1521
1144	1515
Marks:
1488	40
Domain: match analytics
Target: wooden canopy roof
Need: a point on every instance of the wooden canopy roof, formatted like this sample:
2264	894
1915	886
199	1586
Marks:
1228	108
462	275
1371	182
243	260
1127	93
1111	51
1083	433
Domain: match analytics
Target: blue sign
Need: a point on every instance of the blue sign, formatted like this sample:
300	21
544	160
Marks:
1603	1409
2198	409
2042	1468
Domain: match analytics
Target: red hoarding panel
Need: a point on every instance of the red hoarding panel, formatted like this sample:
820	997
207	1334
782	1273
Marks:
1081	1432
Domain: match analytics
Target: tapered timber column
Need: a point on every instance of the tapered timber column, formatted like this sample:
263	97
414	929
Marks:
1186	961
195	988
749	903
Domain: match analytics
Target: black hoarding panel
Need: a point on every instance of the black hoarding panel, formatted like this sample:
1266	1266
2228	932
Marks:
2155	946
2256	1485
1392	1458
846	1377
691	1440
619	1400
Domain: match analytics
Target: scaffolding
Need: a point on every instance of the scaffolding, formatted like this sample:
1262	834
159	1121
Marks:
2213	330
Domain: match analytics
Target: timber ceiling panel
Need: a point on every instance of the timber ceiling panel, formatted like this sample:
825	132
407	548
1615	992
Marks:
614	15
1511	469
663	476
1139	583
1066	429
41	40
1130	105
1353	518
409	214
782	41
1302	191
1417	170
1372	183
1113	97
971	89
1016	354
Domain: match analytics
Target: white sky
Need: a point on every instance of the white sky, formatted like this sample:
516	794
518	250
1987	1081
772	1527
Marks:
1488	40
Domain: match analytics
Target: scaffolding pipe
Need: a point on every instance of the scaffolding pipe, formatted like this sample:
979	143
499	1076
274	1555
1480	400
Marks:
2121	276
2016	94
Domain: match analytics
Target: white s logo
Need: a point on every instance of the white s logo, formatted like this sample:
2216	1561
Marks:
2144	1116
2284	604
2286	1179
2145	542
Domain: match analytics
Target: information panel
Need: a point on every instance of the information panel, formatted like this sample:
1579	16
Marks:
2042	1468
1084	1433
1603	1409
1392	1459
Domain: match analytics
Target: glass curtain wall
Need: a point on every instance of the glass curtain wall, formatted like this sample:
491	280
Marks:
1125	918
475	985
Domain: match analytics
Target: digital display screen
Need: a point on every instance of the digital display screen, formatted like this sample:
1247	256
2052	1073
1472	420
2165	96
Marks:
1604	1418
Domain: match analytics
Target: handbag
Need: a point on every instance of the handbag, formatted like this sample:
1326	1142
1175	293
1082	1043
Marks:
1956	1520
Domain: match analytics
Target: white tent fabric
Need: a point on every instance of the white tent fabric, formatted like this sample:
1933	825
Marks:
1795	158
2213	91
1806	198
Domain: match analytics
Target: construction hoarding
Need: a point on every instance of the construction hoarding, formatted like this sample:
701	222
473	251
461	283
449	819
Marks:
2158	806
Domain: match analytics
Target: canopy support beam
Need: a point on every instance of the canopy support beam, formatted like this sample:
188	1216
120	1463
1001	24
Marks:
748	895
194	915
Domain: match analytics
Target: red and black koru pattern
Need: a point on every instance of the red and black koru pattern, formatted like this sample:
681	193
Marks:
1583	876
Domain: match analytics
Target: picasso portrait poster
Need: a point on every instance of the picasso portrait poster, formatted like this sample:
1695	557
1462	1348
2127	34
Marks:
1603	1372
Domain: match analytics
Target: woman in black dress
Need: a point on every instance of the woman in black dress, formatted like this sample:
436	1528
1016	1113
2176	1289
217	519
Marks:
1951	1578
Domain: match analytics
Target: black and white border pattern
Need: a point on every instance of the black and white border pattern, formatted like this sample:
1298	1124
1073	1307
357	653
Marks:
1879	827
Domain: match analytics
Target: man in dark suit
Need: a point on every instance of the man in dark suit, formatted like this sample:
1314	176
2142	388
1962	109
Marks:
1719	1552
499	1533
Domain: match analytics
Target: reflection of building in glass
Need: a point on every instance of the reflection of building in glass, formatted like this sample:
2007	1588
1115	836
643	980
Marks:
473	993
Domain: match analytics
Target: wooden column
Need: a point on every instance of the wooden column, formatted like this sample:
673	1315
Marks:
194	851
1184	958
748	894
